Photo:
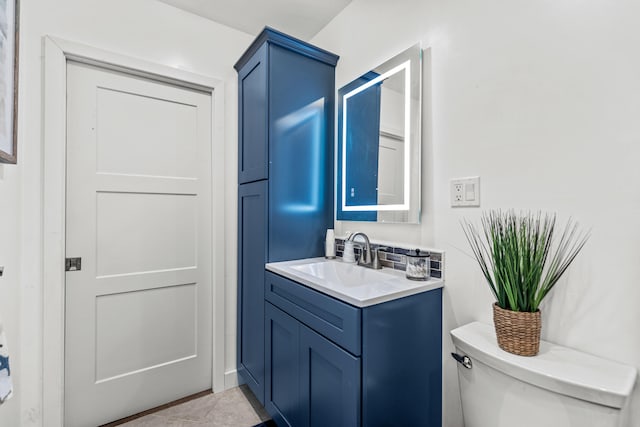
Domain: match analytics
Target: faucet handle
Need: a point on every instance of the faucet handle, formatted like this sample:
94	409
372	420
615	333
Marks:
376	264
365	256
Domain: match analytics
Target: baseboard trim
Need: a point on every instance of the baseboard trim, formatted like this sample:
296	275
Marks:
231	379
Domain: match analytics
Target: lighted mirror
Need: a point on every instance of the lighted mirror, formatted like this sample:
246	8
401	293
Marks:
379	139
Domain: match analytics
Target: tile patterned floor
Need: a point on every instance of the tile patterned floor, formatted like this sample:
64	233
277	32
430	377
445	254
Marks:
235	407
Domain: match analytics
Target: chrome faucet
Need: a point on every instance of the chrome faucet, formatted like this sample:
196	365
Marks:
366	259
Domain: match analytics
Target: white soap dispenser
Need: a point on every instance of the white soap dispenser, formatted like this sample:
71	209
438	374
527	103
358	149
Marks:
330	244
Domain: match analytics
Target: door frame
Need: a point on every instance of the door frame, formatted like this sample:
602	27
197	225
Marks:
57	52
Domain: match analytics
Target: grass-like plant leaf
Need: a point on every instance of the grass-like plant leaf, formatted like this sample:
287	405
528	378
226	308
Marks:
519	257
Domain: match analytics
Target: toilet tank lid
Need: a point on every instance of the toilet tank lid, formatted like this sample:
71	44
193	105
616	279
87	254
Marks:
556	368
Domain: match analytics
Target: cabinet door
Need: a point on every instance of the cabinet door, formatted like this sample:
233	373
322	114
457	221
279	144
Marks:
282	367
253	118
252	247
300	154
329	382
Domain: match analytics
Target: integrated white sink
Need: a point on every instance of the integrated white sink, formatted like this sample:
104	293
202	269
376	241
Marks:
347	274
352	283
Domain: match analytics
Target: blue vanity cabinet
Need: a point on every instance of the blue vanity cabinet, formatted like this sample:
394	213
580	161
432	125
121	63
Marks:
285	165
333	364
310	380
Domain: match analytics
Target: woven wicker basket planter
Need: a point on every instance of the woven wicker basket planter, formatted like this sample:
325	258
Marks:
518	332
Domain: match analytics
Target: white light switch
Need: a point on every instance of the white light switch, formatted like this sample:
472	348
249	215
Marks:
469	192
465	192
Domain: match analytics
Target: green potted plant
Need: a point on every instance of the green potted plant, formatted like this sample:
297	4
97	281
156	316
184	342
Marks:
522	257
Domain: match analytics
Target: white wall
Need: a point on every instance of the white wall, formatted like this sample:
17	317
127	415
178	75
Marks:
144	29
541	100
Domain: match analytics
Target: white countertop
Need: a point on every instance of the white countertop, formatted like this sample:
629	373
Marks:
351	283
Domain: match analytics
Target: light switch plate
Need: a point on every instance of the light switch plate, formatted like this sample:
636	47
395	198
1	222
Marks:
465	192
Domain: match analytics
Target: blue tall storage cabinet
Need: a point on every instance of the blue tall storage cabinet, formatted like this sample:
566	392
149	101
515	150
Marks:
285	173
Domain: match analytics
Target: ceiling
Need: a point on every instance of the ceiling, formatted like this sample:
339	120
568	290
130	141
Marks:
300	18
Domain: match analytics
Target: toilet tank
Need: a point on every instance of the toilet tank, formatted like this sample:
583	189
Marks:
560	387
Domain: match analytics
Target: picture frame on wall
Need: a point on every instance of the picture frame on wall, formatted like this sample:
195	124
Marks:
9	32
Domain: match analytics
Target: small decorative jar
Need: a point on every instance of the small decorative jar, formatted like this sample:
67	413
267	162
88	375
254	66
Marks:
418	264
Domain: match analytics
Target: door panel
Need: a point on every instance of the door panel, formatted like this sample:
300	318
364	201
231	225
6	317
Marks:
252	246
300	154
281	360
127	141
253	115
329	382
145	232
138	313
123	320
391	178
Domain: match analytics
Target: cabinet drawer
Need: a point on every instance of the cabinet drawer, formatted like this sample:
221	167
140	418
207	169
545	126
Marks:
336	320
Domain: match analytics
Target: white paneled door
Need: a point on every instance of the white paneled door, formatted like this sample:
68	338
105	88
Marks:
138	310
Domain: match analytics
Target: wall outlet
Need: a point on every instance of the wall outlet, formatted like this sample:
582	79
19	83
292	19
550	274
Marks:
457	192
465	192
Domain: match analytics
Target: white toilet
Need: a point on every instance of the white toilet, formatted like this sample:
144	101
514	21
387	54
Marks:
559	387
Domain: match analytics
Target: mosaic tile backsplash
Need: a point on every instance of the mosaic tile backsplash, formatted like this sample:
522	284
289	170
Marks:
395	257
